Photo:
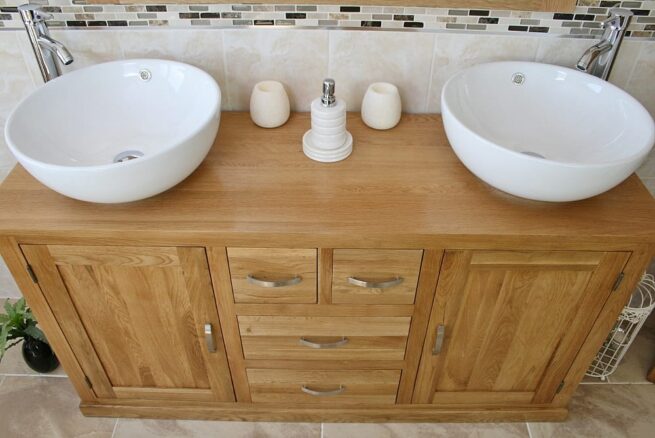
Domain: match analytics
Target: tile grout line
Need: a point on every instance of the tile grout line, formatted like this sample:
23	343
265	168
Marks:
113	432
529	431
49	376
426	106
322	429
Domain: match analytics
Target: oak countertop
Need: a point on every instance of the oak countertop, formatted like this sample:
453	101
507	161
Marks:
400	188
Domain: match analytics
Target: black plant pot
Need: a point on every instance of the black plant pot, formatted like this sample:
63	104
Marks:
39	356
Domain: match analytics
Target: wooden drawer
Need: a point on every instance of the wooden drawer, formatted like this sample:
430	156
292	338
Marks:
267	275
375	276
329	387
324	338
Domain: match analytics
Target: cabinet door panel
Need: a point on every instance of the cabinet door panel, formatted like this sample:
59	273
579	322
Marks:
510	322
143	310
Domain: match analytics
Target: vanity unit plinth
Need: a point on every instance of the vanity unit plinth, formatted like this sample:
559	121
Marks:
392	286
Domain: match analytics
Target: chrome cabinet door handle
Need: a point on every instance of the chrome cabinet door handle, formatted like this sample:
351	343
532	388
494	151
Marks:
316	393
280	283
438	343
375	284
209	338
307	343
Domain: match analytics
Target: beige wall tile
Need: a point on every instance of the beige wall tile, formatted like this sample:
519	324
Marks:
650	185
391	430
297	58
358	59
562	51
15	84
605	411
454	52
7	160
642	83
46	407
647	170
625	62
30	59
8	288
171	428
638	360
15	80
200	48
89	47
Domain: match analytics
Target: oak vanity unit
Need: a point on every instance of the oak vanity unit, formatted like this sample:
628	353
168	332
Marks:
392	286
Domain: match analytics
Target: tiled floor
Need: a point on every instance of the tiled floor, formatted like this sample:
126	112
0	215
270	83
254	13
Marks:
35	406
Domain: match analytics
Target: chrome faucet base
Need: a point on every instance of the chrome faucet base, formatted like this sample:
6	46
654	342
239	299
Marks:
598	59
46	49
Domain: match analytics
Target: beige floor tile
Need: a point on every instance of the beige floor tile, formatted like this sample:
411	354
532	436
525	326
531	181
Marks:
13	363
638	360
38	407
605	411
128	428
425	430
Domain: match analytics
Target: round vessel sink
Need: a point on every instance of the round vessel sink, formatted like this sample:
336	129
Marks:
544	132
117	132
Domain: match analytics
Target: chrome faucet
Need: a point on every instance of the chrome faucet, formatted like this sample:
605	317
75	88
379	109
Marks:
45	48
598	59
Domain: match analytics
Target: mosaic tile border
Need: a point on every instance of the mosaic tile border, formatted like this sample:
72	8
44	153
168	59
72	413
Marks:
585	21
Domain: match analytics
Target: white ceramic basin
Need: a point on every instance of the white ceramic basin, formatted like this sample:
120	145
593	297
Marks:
70	133
561	135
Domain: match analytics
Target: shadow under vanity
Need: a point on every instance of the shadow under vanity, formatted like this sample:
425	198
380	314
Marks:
391	286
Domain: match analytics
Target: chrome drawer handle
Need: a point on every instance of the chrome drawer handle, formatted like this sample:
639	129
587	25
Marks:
438	343
316	393
307	343
375	284
280	283
209	338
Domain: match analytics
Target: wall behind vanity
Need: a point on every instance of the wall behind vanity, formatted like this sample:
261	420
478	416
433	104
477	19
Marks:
237	44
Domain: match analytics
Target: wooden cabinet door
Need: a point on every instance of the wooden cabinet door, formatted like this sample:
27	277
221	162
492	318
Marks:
511	323
136	319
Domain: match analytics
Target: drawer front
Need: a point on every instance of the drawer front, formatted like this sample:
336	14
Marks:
324	338
375	276
272	275
329	387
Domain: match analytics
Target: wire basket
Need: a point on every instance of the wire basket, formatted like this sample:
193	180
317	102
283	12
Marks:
625	330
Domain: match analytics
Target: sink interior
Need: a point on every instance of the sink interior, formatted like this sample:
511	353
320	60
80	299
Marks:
553	113
113	116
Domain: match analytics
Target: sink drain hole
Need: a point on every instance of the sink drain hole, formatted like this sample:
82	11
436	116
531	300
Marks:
127	156
533	154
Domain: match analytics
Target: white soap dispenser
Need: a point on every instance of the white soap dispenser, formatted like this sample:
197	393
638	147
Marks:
328	140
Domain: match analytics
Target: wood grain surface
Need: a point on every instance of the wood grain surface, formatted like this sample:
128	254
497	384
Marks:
402	188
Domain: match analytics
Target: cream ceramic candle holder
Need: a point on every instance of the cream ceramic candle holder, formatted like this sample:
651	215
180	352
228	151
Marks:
269	104
381	107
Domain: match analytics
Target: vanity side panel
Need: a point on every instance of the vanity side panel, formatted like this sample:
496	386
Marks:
55	290
633	271
596	295
37	302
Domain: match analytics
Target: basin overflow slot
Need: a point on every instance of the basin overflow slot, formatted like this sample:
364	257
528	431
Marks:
532	154
127	156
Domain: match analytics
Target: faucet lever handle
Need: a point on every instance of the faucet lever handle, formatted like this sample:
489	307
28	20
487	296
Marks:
43	16
613	22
